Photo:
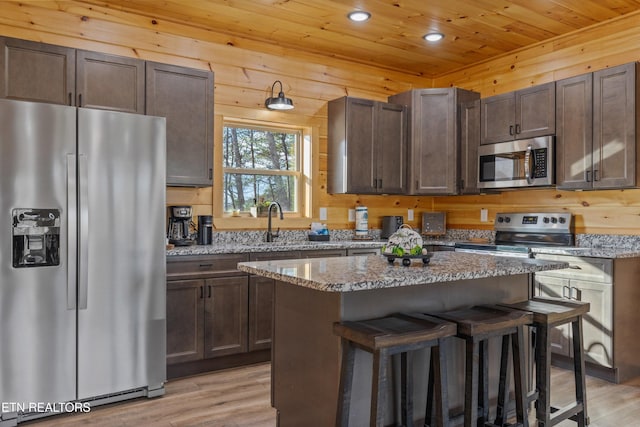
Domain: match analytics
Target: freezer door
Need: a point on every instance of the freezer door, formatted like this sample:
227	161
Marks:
37	302
121	289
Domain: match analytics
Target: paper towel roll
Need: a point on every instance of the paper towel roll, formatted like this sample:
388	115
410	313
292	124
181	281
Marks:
362	221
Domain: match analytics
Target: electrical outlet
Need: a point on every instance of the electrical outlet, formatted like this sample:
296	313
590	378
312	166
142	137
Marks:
352	215
409	214
323	214
484	215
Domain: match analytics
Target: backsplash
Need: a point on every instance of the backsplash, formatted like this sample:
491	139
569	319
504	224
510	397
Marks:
582	240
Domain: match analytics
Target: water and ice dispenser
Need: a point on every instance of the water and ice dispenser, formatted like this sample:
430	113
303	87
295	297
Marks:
36	237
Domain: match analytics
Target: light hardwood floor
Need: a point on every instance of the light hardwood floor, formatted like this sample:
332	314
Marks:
241	398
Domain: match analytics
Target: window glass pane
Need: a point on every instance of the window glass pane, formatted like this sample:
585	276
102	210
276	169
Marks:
244	190
259	148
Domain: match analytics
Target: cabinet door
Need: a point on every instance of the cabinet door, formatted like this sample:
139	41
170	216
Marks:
225	316
614	124
110	82
469	142
361	155
535	111
185	97
185	320
435	149
498	118
597	325
260	312
37	72
391	131
546	286
574	132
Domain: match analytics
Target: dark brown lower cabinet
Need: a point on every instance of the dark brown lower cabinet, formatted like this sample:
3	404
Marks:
217	316
225	316
260	312
185	321
206	318
208	315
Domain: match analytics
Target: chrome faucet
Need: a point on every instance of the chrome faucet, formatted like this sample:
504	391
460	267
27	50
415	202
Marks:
270	234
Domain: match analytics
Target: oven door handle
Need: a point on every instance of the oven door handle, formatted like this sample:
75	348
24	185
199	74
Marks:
528	165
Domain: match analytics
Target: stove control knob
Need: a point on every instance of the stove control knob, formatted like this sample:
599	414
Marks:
545	220
500	219
554	220
562	220
507	219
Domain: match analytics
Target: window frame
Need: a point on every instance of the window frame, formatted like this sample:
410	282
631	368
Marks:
306	169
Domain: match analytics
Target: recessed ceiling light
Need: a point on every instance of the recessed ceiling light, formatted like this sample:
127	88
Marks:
434	37
359	16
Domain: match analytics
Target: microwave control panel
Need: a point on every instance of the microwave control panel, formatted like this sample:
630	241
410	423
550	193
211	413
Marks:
540	163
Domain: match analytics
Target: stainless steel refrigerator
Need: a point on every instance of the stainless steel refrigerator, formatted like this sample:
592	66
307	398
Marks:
82	256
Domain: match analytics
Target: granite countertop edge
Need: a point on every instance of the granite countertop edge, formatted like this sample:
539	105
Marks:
348	274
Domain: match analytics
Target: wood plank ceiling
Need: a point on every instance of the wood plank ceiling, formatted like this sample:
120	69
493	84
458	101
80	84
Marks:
475	30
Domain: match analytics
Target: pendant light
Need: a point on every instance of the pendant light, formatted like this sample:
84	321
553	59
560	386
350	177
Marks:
279	103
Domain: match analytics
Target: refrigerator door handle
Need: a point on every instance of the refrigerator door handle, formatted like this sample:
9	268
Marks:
83	241
72	231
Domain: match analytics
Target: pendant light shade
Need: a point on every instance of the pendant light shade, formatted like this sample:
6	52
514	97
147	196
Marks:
278	103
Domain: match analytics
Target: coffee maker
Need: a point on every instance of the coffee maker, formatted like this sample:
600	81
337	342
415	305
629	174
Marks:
179	232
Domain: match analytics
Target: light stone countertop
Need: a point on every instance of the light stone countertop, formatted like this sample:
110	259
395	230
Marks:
354	273
236	248
248	247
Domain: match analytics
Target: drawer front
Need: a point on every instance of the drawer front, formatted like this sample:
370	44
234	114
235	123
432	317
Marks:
205	266
268	256
323	253
581	268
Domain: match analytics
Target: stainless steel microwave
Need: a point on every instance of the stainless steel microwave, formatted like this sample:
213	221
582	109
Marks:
514	164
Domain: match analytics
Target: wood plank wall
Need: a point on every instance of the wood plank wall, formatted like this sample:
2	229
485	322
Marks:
245	70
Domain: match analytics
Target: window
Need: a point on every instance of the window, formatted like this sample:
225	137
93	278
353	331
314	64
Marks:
261	164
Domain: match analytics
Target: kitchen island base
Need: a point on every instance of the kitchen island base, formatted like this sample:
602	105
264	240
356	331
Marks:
306	353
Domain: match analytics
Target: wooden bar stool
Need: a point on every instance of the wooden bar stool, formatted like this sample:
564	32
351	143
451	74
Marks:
384	337
476	325
549	313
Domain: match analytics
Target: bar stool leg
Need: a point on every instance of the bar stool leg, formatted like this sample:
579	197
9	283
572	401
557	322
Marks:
579	372
483	383
428	418
543	376
379	387
440	379
406	391
437	386
503	389
346	382
517	343
472	359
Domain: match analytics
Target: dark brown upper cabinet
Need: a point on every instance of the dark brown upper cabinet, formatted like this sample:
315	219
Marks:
42	72
469	142
597	129
435	138
110	82
185	97
522	114
366	147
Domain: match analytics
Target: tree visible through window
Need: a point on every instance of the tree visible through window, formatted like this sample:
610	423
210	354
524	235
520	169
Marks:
260	165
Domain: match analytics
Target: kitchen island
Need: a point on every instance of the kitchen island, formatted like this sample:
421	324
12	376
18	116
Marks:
311	294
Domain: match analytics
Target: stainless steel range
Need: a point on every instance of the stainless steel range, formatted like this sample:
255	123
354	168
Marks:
517	233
